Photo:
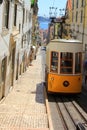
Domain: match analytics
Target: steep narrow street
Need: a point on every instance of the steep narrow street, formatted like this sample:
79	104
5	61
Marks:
24	107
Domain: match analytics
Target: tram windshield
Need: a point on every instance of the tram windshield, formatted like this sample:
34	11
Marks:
66	62
54	62
78	59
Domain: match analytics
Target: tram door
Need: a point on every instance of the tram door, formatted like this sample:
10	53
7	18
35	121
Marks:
3	74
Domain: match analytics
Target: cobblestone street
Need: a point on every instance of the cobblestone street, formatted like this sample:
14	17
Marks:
24	107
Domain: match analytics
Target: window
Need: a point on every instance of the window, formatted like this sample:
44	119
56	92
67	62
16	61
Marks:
72	4
30	17
23	15
77	4
6	14
72	17
78	59
26	15
66	63
54	62
22	43
76	16
82	4
81	16
29	36
19	27
3	69
15	14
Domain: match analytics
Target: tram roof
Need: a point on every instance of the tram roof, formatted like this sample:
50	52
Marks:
66	41
64	45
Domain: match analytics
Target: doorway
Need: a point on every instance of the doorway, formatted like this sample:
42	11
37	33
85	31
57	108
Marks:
12	66
3	74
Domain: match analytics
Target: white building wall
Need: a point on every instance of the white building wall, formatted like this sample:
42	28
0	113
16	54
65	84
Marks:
24	30
27	25
1	15
11	16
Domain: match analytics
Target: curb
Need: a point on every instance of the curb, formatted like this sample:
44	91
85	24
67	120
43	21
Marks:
48	110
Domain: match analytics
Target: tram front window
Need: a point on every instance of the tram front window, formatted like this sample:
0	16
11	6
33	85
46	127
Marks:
78	59
54	62
66	62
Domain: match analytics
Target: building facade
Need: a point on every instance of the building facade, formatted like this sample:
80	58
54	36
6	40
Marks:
79	20
15	41
68	20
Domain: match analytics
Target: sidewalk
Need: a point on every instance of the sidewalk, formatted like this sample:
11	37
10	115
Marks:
24	107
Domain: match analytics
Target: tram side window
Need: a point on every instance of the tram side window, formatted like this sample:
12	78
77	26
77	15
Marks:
66	63
78	59
54	62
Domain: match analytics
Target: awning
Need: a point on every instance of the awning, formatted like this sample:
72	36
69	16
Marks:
4	49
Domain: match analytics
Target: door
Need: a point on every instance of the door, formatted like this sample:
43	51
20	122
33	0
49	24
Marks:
12	66
3	74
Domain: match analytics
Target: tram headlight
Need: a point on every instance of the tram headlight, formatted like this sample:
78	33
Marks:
66	83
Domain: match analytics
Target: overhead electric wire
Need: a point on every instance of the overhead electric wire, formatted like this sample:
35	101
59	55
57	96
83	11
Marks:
53	3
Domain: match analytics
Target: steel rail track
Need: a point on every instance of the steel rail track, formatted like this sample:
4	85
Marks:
72	116
66	119
75	112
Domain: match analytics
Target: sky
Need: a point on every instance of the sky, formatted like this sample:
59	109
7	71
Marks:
44	7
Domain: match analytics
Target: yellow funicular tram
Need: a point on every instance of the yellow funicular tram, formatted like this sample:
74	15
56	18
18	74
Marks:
63	72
